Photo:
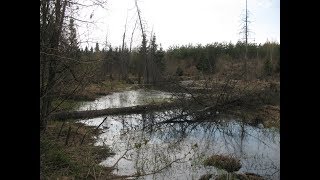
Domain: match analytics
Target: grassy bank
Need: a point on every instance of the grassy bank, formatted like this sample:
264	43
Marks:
93	91
68	102
63	156
64	152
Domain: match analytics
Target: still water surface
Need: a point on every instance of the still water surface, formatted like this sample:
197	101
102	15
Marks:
177	151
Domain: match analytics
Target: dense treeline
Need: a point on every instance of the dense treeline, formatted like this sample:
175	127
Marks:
206	57
219	49
118	63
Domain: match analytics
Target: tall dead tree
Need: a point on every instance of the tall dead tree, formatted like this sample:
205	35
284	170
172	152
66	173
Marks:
143	49
131	39
246	37
123	57
246	27
245	30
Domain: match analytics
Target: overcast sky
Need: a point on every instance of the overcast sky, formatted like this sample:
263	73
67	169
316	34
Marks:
181	22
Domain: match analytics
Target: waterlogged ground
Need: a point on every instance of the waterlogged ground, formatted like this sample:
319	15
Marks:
127	99
145	147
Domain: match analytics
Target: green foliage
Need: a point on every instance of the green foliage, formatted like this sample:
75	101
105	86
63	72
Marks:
157	55
53	156
136	62
217	50
190	58
73	46
205	57
200	58
206	62
66	104
86	51
159	60
96	49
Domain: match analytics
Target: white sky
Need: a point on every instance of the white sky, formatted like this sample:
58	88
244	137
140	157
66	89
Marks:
180	22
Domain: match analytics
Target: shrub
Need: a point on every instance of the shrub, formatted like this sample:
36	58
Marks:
179	71
268	67
228	163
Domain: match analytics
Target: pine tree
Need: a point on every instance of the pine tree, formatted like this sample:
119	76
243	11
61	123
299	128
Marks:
86	50
96	49
72	40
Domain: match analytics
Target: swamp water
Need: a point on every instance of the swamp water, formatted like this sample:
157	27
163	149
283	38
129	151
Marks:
146	147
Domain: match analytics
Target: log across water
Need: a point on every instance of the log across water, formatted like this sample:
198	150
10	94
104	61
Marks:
111	111
64	115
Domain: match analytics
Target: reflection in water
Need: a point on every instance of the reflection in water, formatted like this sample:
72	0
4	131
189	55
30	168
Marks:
126	99
143	146
176	151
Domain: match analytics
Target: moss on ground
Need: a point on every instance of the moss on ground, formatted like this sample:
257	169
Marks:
66	105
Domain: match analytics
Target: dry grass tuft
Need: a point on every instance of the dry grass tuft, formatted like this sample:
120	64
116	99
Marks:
228	163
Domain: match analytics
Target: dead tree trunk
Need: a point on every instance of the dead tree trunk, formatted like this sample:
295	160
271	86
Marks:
123	57
143	48
245	31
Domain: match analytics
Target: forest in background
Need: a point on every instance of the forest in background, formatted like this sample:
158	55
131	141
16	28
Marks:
188	60
66	69
69	73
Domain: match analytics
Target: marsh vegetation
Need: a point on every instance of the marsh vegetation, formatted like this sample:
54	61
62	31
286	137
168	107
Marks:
144	112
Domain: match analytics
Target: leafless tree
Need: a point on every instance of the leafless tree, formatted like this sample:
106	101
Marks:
58	63
143	49
124	56
51	25
246	32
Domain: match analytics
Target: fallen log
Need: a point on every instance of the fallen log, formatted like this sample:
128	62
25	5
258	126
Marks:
222	103
63	115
